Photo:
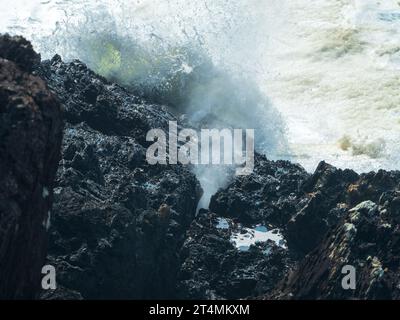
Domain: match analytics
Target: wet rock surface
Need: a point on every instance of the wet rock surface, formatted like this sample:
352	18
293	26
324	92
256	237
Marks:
324	195
224	255
213	267
329	219
20	51
271	194
283	195
111	239
118	222
30	140
123	229
367	238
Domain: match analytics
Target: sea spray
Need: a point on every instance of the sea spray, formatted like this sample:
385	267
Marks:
316	80
196	58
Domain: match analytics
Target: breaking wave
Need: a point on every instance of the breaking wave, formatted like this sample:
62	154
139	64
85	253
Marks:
317	80
184	55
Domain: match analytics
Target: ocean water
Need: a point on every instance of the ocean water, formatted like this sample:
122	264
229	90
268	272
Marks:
243	237
250	236
318	80
334	74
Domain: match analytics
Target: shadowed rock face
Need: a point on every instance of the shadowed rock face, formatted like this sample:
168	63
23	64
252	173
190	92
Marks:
329	219
121	228
213	267
367	237
283	195
30	140
118	222
271	194
324	195
18	50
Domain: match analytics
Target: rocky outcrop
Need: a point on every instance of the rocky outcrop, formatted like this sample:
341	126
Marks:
20	51
271	194
213	267
30	139
367	238
118	223
324	199
123	229
283	195
329	219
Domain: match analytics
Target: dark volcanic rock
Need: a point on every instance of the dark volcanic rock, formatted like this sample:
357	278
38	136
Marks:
326	198
30	140
329	219
330	192
20	51
271	194
367	238
213	268
118	222
103	106
123	229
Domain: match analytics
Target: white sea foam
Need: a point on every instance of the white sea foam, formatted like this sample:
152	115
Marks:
246	237
222	223
330	68
334	75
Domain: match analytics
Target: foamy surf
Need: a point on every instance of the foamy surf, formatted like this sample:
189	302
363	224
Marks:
330	68
334	75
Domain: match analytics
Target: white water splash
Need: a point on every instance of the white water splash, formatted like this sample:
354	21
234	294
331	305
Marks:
330	67
246	237
334	74
196	56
